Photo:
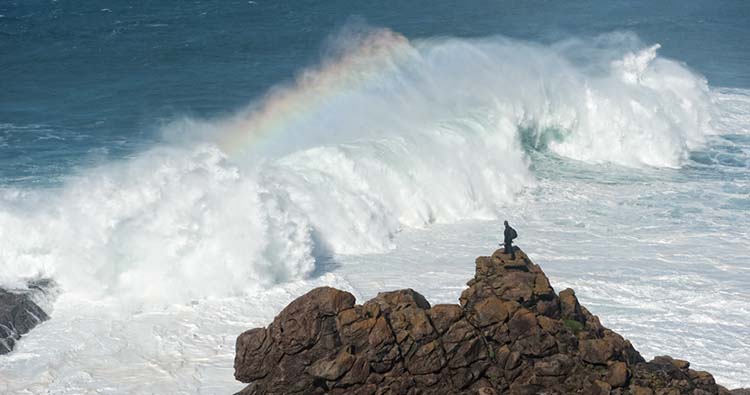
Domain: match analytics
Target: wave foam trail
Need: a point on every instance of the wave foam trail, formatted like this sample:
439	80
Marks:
385	133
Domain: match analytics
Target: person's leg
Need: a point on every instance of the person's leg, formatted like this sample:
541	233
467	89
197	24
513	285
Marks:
512	253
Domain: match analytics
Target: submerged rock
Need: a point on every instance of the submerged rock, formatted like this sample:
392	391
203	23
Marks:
20	311
510	334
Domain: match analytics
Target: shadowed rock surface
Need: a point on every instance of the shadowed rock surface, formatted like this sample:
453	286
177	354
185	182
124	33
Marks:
511	333
20	312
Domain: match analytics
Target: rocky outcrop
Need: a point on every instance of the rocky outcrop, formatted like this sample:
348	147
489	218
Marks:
511	333
20	311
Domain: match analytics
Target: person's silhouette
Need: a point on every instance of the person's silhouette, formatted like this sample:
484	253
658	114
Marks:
510	234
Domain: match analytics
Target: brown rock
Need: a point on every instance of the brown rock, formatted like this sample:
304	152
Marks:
467	352
459	332
596	351
382	352
680	364
298	325
465	376
412	323
641	390
469	294
511	334
618	374
522	324
484	265
524	389
332	368
703	379
537	345
380	334
498	333
358	373
512	376
247	367
513	361
349	316
488	311
293	378
486	391
542	288
600	388
569	306
665	362
515	286
326	300
397	300
444	315
357	332
501	356
427	358
429	380
549	325
556	365
549	308
367	389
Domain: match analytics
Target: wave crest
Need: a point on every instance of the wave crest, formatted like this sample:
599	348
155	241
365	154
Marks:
377	138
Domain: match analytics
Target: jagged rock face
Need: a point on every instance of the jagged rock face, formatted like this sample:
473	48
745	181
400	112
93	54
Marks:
511	333
19	313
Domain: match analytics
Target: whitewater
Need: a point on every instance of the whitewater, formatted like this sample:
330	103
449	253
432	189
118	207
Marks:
391	163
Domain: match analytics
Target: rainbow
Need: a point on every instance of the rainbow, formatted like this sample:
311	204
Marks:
284	107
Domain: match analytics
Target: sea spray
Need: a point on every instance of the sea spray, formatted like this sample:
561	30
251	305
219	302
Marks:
389	133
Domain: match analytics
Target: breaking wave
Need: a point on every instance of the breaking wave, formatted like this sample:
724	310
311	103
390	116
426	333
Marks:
385	133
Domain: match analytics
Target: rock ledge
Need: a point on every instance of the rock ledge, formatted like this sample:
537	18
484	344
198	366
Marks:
511	334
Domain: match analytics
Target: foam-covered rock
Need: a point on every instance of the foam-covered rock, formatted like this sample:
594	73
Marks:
20	311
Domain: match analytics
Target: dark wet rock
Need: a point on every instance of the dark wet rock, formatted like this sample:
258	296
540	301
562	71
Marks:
21	311
510	334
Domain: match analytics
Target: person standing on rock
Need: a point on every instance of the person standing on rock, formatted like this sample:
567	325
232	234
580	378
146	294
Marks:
510	234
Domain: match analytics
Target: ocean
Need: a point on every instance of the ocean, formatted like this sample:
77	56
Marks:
183	170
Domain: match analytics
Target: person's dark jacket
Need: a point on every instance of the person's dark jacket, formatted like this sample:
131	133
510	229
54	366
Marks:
510	234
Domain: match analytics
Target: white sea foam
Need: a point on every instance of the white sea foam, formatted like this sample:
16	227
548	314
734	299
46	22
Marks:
436	132
732	108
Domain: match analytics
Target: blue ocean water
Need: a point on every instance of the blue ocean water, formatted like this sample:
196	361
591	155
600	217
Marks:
86	81
238	153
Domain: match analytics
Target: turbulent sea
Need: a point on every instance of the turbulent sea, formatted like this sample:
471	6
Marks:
185	169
